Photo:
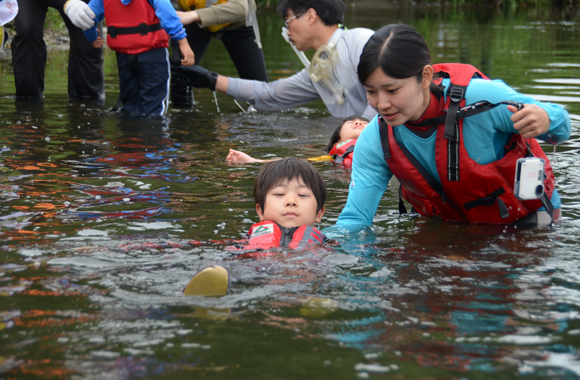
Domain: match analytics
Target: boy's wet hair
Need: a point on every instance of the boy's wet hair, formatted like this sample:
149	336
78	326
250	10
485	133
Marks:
331	12
335	137
276	172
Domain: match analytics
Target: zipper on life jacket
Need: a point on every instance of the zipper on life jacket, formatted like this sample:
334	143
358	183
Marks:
287	234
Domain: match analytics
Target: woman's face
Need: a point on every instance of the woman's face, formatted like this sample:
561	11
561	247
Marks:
398	100
352	129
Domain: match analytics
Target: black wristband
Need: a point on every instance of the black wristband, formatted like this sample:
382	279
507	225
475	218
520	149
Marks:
212	79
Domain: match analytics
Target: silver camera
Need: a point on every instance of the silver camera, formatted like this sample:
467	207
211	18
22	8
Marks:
529	183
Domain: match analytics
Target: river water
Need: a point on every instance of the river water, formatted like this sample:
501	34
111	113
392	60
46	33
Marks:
104	219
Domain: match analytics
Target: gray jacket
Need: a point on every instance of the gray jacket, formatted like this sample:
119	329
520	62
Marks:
299	89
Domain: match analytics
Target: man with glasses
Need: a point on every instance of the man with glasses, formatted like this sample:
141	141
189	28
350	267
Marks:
312	24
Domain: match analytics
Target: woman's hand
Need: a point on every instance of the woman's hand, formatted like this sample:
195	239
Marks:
530	121
237	157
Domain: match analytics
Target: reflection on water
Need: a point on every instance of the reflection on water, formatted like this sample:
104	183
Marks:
104	219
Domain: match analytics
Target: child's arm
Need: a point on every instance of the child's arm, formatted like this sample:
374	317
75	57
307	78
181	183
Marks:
237	157
99	10
173	26
98	43
188	56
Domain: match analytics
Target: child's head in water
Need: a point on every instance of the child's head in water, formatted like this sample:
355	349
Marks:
290	192
349	128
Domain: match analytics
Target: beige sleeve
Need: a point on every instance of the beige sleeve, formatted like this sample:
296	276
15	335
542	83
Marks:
232	12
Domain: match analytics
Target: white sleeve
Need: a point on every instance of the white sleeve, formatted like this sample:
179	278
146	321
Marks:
282	94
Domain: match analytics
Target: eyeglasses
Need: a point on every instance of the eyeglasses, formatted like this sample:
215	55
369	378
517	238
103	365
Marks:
287	22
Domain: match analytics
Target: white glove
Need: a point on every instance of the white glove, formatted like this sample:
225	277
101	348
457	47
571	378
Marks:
80	14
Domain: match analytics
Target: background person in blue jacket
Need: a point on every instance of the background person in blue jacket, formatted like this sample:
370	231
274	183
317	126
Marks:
395	69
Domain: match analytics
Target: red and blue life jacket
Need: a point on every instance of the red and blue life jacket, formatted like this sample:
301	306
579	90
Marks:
133	28
267	235
468	192
342	152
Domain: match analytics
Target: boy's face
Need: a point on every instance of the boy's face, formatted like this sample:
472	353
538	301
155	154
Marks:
290	204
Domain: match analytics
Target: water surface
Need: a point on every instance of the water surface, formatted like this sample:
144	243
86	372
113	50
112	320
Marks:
103	220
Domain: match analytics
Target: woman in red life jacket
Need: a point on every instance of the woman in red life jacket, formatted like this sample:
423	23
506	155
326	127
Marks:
339	148
454	161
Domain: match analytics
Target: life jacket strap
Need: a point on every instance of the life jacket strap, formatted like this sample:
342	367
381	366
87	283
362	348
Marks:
489	200
544	199
142	29
436	186
384	132
340	157
456	94
402	208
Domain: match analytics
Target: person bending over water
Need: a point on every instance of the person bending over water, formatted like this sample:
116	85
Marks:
339	148
457	167
312	24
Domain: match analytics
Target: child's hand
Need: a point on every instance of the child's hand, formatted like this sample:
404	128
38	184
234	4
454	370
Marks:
98	43
186	52
237	157
188	17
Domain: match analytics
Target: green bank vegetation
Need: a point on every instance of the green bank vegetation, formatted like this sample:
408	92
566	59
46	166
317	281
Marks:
54	21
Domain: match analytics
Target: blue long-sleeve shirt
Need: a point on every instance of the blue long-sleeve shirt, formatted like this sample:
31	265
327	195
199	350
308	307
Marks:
485	136
164	11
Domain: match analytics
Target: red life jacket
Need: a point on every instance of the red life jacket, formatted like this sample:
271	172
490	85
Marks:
468	191
133	28
266	235
342	153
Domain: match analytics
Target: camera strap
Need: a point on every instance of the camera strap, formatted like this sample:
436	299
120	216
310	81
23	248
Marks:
544	199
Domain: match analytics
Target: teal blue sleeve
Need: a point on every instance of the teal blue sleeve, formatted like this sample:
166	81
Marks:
500	118
369	179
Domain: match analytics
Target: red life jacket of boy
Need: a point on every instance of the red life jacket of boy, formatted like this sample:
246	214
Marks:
468	191
343	152
133	28
266	235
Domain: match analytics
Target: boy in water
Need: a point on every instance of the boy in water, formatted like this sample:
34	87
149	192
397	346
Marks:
289	196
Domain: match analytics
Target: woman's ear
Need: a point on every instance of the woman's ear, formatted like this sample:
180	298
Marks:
427	76
260	212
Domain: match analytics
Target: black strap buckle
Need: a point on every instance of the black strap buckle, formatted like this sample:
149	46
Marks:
340	158
143	29
456	94
112	31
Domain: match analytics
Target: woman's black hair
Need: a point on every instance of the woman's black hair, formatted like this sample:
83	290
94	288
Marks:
335	137
276	172
398	49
